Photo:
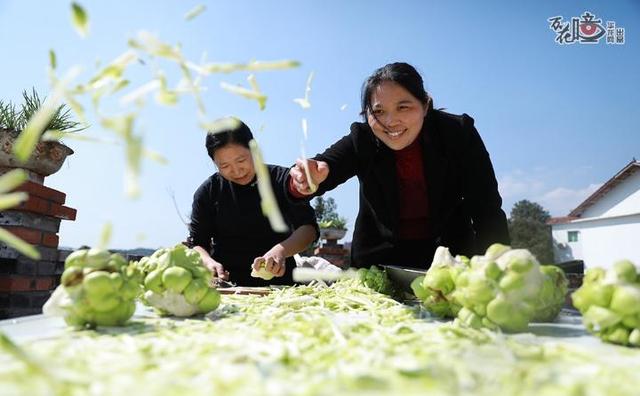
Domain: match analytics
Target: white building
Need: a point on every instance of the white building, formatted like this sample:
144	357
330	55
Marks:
606	226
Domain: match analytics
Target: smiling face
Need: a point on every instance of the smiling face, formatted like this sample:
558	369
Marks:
235	164
395	115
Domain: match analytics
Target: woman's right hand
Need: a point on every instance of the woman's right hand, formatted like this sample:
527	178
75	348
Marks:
318	171
217	269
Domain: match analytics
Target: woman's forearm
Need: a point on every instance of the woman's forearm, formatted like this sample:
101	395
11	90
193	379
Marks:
298	240
203	252
215	267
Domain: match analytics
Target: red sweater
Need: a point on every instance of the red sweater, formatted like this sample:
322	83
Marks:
412	194
412	197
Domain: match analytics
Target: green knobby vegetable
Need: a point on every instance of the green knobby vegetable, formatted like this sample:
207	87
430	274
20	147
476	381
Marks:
95	290
500	289
376	279
176	282
609	301
436	288
552	294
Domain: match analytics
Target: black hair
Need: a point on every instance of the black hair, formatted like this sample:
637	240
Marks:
400	73
228	130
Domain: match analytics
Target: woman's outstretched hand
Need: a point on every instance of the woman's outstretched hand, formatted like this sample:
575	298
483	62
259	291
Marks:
306	181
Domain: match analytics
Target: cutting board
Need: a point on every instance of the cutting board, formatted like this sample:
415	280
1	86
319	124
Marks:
262	291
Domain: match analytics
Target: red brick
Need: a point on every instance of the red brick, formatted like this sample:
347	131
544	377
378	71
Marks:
50	240
16	283
42	206
45	283
338	251
41	191
35	204
62	212
30	235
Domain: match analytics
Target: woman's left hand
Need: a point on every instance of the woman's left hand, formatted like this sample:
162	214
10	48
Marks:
274	261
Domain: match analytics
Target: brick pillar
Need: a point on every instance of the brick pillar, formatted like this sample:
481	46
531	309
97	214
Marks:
333	252
25	284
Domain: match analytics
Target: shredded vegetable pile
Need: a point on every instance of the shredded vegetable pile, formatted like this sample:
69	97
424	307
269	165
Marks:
312	340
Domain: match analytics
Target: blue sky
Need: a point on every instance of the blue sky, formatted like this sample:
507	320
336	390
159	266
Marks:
557	120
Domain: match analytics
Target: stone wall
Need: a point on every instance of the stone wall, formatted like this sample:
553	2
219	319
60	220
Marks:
334	252
25	284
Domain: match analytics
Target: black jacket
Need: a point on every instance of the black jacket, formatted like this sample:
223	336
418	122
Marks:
464	203
227	220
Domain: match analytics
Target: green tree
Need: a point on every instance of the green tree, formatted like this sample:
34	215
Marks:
327	213
528	229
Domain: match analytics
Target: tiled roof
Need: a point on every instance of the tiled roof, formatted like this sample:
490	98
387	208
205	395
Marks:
560	220
627	171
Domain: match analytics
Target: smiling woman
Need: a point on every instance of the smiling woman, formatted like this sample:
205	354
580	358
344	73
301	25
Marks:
426	179
228	227
395	116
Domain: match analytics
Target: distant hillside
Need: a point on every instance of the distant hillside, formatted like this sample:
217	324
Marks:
134	252
137	252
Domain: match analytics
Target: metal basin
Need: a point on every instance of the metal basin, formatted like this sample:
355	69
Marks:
402	277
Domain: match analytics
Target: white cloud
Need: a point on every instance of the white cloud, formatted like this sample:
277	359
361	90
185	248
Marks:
519	184
536	186
560	201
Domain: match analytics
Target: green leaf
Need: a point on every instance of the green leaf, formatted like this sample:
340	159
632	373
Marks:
254	94
113	72
325	224
105	236
120	85
268	201
304	102
77	108
23	247
122	126
165	96
28	139
12	179
52	60
254	66
192	87
150	44
13	199
58	135
80	19
133	149
194	12
313	187
155	156
222	124
138	95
